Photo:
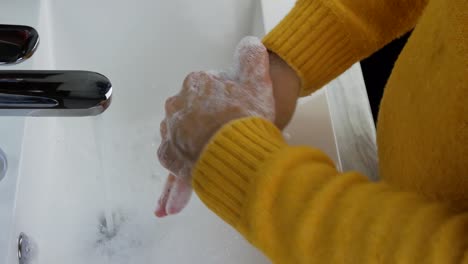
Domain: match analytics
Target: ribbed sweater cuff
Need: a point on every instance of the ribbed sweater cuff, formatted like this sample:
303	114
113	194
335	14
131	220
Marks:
234	155
313	42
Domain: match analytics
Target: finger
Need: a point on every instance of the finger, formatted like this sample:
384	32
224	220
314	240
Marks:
179	196
164	155
168	157
162	202
163	130
196	82
251	61
172	105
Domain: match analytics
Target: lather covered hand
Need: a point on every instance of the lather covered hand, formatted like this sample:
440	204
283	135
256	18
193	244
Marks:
207	101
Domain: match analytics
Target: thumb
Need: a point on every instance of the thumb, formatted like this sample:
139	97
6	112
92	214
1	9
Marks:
176	194
251	61
162	202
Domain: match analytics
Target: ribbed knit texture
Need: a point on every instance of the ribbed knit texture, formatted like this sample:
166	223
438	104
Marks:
312	42
226	164
320	39
293	204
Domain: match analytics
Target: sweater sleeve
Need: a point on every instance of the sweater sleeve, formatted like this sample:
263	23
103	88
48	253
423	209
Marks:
320	39
293	204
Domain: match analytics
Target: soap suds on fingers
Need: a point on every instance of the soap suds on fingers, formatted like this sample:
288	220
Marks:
207	101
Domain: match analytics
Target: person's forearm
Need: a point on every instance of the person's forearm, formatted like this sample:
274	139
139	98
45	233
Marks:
294	205
286	88
320	39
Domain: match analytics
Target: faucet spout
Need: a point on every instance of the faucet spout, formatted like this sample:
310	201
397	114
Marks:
53	93
17	43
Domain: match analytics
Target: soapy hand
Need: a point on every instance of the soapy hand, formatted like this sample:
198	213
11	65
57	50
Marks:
207	101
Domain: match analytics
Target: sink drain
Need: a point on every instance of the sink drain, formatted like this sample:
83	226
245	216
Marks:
3	164
26	249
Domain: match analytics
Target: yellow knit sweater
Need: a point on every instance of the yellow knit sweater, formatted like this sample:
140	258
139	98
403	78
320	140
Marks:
293	204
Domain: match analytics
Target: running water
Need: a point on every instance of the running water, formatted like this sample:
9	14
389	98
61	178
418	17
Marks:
108	227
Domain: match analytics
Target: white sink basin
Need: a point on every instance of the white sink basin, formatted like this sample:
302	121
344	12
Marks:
71	169
11	135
